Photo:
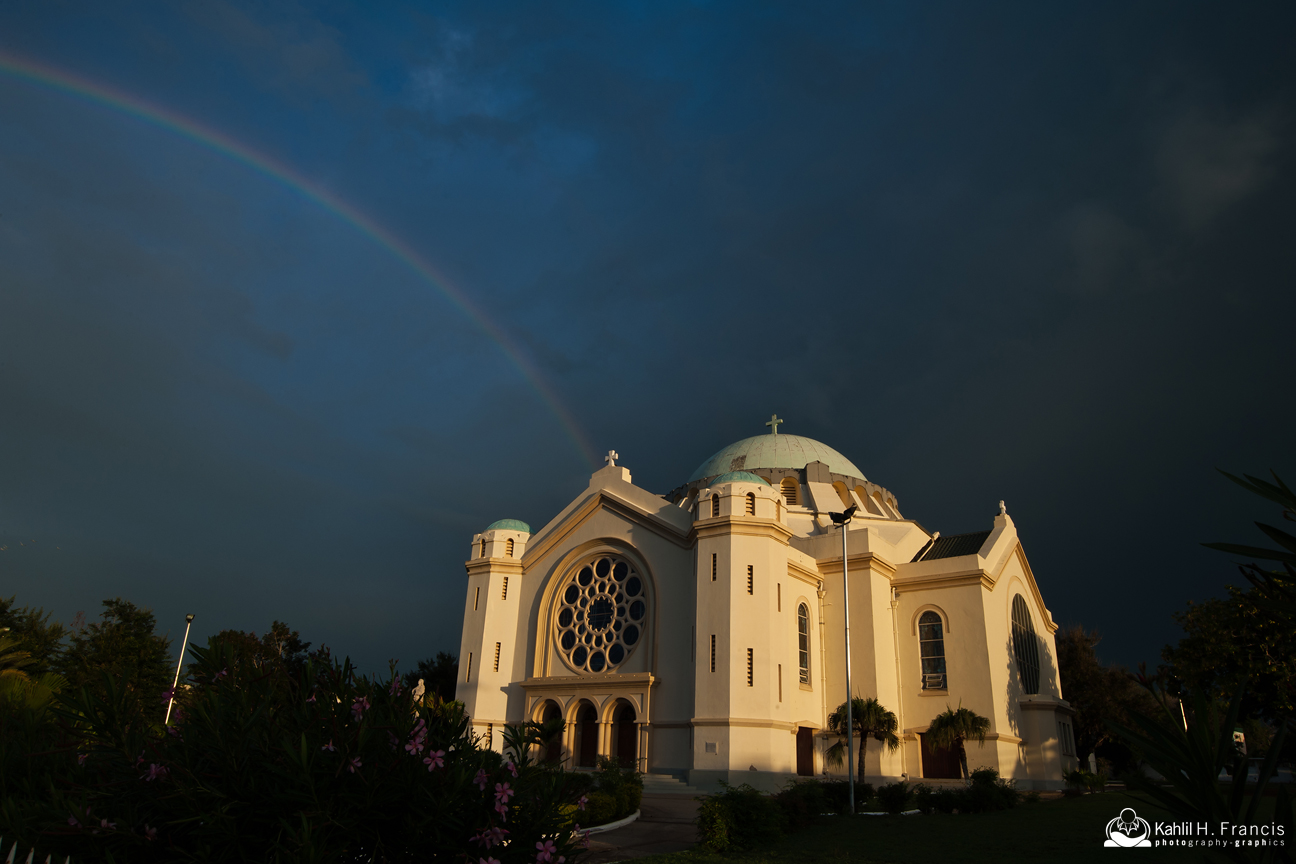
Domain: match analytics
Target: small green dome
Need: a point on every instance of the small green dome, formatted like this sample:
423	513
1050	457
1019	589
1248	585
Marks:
738	477
509	525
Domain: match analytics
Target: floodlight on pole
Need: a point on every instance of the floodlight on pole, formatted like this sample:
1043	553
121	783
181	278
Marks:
176	683
843	519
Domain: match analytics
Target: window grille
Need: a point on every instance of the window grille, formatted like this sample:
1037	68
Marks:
803	642
751	504
751	579
789	489
931	647
481	551
712	652
504	592
508	547
715	505
497	653
750	663
1025	645
714	566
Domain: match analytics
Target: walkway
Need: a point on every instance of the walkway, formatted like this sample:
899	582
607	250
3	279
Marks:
665	824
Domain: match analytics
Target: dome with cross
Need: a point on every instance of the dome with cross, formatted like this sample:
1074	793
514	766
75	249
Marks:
775	451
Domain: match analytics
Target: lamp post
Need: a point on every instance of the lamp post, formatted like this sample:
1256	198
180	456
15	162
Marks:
843	519
188	623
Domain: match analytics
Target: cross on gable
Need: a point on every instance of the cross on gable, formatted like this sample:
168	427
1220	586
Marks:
774	422
611	458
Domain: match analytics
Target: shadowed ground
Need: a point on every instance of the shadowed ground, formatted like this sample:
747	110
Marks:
665	824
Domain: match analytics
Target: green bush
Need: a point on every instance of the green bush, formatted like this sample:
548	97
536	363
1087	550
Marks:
1079	782
740	817
802	802
327	766
894	797
600	809
985	793
837	794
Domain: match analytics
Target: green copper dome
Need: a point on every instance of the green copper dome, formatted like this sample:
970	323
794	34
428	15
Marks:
509	525
738	477
775	451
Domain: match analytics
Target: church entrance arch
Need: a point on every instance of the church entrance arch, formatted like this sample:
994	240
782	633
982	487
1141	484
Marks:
586	736
626	735
553	748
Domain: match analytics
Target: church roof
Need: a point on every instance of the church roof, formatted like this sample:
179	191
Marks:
509	525
775	451
738	477
953	546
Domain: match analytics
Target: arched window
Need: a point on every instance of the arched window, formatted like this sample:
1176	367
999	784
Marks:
481	553
931	647
843	493
803	642
1025	645
789	489
508	547
751	503
715	505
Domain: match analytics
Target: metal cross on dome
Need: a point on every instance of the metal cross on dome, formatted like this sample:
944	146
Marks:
774	422
611	458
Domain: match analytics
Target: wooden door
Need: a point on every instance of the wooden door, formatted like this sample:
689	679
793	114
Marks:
939	763
805	751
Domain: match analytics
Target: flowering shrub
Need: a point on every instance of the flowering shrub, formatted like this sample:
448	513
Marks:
325	767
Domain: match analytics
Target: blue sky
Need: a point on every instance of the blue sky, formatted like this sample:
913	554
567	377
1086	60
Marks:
1021	252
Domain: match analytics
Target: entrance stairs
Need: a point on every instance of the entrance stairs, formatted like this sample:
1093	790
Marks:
667	784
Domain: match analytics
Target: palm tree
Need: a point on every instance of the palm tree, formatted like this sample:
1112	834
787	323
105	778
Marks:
15	682
953	726
869	718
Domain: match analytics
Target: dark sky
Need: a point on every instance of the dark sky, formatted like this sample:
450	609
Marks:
1027	252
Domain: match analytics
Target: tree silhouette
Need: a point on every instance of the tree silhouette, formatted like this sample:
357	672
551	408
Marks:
869	719
953	726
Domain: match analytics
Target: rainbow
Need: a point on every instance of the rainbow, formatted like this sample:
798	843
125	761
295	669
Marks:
59	80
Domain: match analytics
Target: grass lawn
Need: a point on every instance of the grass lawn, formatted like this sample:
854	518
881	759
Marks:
1065	829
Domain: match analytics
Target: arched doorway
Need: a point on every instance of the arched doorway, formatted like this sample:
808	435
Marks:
552	750
626	736
586	736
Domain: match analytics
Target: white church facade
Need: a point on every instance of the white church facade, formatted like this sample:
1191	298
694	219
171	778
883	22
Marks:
700	633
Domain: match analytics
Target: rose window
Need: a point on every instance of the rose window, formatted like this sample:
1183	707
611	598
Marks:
601	618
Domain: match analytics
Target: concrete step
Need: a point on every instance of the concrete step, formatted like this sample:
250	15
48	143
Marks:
665	784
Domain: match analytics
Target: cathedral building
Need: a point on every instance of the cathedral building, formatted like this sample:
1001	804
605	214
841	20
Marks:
701	633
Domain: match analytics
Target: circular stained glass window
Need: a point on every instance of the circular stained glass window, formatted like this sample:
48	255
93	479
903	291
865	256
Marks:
602	614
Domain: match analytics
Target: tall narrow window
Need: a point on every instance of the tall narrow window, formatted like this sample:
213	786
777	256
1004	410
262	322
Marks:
779	596
476	597
780	677
508	547
504	592
751	579
931	647
789	489
497	653
803	642
1025	647
750	665
714	566
468	668
715	505
751	503
712	652
481	550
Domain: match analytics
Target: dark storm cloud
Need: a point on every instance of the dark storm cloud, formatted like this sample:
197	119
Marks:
1028	253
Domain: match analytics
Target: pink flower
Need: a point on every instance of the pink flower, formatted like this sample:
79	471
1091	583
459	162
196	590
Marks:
219	675
311	699
104	823
502	809
149	833
414	746
329	746
81	757
510	766
155	772
395	687
583	840
491	837
360	706
168	694
580	805
547	850
503	793
480	779
354	764
434	759
72	820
